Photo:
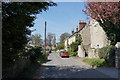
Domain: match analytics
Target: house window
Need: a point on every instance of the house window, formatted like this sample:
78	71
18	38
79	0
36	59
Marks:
97	45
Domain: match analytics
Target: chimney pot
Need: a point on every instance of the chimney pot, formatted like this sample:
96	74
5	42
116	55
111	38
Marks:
72	31
77	29
82	24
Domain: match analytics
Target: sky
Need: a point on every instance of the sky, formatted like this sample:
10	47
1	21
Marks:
60	19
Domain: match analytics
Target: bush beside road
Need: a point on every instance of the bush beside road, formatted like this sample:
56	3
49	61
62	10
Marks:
37	58
95	62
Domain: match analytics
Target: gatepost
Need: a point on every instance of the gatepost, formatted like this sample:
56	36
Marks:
117	56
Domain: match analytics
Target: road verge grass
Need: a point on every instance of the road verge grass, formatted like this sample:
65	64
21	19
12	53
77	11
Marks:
95	62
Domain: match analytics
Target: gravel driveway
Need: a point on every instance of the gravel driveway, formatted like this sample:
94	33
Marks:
57	67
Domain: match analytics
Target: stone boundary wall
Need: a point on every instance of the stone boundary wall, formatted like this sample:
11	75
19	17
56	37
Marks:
17	68
117	56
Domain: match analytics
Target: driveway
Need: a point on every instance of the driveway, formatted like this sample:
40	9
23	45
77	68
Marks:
57	67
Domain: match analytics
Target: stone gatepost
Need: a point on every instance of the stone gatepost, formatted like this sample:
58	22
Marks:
117	56
81	52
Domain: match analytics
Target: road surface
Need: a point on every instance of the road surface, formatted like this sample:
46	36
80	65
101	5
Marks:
72	67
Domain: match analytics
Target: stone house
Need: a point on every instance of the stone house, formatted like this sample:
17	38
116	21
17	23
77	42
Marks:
93	37
72	38
48	48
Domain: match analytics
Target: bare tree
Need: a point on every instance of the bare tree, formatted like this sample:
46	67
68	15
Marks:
64	36
36	40
50	39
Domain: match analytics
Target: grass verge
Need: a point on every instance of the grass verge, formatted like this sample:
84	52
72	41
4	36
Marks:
95	62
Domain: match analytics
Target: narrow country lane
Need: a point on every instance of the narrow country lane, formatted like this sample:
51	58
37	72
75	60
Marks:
72	67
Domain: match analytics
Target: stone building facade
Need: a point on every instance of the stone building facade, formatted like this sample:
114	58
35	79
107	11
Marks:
83	49
93	37
98	35
72	38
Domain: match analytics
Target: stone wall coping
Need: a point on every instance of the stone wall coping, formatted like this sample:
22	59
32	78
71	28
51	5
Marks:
118	45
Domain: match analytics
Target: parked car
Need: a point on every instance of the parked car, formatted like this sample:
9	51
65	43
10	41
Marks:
64	54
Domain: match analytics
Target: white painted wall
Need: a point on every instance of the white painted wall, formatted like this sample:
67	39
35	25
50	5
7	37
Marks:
65	44
71	39
81	52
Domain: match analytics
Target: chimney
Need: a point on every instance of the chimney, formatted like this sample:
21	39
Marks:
72	31
77	29
82	24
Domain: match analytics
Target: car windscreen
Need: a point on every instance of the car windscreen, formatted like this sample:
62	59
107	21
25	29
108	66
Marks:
65	52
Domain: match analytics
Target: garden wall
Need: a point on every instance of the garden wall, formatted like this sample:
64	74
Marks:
15	69
117	58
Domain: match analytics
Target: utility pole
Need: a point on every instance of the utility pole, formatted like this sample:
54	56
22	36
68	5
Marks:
45	38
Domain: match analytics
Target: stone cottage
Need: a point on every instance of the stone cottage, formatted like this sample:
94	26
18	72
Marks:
72	38
93	37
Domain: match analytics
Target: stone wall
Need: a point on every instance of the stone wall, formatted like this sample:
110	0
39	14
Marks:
81	52
86	41
98	35
93	53
66	44
117	56
17	68
85	34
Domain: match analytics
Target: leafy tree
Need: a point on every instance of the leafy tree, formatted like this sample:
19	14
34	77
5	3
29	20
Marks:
36	40
64	36
74	46
78	39
108	15
60	46
108	53
17	18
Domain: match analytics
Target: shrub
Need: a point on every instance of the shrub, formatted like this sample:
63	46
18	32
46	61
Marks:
74	46
39	61
53	49
72	53
108	53
37	54
60	46
95	62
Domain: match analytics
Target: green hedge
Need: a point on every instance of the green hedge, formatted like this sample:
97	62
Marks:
72	53
60	46
95	62
108	53
37	55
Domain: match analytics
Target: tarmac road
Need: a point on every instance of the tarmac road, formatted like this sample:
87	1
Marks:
57	67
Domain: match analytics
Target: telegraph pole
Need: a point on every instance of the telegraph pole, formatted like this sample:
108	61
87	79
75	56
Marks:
45	38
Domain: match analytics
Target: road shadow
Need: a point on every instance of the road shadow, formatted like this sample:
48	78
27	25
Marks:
111	71
48	60
69	72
